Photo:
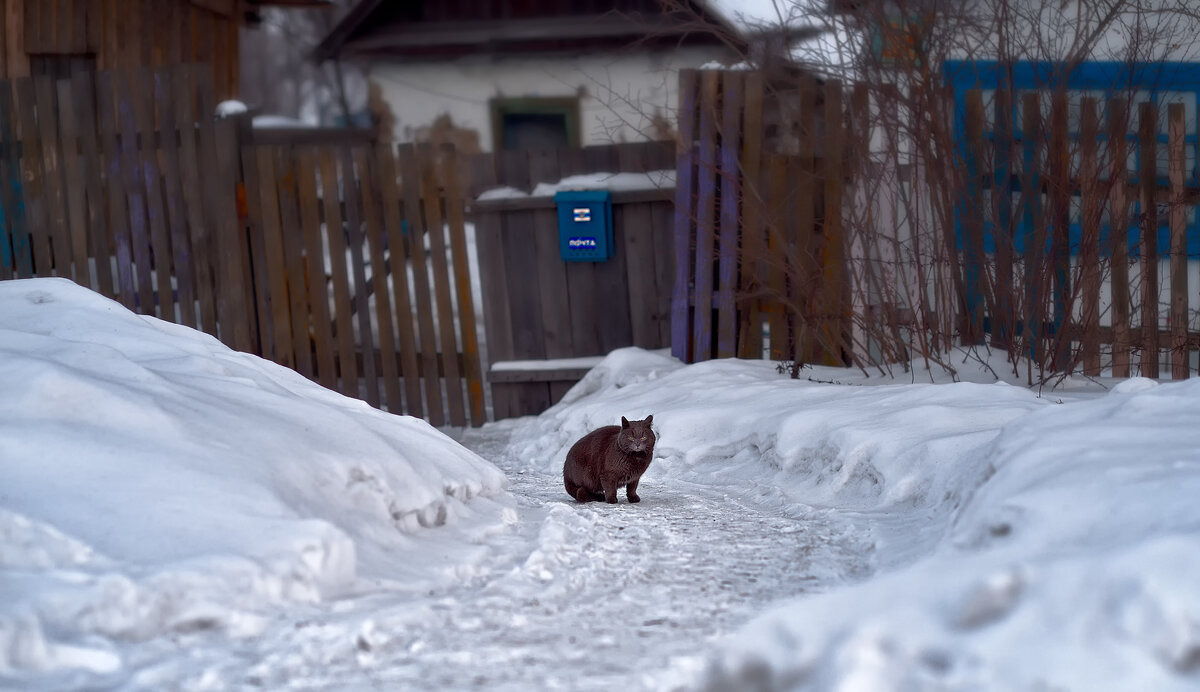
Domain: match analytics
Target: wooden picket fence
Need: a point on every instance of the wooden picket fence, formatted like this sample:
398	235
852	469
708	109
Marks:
757	230
391	322
311	255
1045	291
112	180
787	252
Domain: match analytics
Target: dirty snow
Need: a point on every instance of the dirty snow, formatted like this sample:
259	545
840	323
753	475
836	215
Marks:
174	515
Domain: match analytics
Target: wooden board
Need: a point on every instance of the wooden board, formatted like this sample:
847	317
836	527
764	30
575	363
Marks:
455	220
57	229
972	220
368	173
314	264
191	143
639	256
410	174
351	198
393	221
142	102
280	310
342	319
233	270
177	220
834	324
706	222
682	223
750	329
1060	215
1035	229
1176	147
1118	124
260	275
1147	177
118	223
1089	243
777	166
441	287
728	247
73	173
1004	317
12	225
135	193
552	269
33	174
293	262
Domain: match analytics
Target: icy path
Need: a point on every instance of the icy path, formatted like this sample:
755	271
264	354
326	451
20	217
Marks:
574	597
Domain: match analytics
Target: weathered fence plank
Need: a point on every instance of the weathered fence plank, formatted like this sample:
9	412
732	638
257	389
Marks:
402	302
1089	250
1178	314
706	221
1118	125
684	207
1148	234
730	130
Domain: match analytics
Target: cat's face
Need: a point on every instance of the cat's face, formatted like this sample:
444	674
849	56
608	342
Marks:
636	436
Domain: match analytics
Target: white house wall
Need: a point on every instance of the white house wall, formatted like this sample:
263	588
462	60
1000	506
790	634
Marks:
620	93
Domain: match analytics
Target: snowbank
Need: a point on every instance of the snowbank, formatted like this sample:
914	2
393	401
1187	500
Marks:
803	442
152	482
1073	567
1018	541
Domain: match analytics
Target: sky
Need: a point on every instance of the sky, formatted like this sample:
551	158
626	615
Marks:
175	515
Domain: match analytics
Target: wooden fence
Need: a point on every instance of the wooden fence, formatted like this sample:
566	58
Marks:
354	299
1051	242
347	263
537	306
759	252
1038	274
112	180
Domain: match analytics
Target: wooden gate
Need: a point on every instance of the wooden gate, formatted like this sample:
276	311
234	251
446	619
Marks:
760	262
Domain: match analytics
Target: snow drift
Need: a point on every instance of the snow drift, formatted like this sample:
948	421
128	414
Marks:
154	481
1017	541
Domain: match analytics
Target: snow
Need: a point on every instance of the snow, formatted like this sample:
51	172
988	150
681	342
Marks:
650	180
267	122
178	516
154	482
231	107
583	362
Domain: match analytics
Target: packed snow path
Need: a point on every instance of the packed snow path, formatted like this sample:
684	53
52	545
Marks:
573	597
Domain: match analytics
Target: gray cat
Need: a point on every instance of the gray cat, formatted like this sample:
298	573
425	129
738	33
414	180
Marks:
607	458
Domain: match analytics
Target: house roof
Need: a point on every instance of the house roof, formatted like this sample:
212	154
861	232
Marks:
405	29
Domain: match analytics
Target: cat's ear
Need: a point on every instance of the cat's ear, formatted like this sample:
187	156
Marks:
624	422
649	419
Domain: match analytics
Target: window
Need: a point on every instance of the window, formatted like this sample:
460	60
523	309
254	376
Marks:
535	123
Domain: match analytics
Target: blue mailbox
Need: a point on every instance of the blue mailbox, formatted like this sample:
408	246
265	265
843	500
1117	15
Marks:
585	231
